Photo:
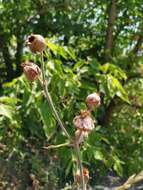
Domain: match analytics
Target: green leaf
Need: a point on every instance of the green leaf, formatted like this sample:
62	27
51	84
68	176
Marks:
6	110
9	100
47	118
115	85
111	87
52	47
113	70
71	53
118	168
79	64
98	155
69	167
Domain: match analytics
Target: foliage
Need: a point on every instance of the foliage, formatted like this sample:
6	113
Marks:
78	62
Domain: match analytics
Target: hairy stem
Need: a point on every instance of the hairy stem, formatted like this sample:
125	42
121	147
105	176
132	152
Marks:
49	99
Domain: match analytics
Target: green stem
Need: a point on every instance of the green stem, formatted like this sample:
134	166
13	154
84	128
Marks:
49	99
56	146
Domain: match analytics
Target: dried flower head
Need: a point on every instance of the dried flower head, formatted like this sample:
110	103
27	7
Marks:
31	70
84	121
36	43
93	100
77	177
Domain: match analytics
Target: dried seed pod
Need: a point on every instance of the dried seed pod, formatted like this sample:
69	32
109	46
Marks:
84	121
77	177
31	70
93	100
36	43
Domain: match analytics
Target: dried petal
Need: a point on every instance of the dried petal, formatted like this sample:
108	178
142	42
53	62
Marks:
84	121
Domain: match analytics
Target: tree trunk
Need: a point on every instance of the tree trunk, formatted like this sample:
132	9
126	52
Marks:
110	30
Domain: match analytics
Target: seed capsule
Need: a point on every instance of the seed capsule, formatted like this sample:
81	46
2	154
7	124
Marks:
36	43
31	70
84	122
93	100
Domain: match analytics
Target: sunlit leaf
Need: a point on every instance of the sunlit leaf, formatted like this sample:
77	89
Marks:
6	110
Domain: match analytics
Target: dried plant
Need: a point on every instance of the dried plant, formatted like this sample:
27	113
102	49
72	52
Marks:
83	123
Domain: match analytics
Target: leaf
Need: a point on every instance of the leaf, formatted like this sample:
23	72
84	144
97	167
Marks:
47	118
118	168
98	155
62	52
69	167
10	84
9	100
118	165
71	53
115	85
113	70
56	49
6	110
111	86
52	47
78	65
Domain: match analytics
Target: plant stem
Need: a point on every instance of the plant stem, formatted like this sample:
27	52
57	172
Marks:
56	146
77	148
49	99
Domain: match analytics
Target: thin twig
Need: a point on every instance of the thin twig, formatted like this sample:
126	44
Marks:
56	146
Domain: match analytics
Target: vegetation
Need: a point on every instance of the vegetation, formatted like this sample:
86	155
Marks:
92	46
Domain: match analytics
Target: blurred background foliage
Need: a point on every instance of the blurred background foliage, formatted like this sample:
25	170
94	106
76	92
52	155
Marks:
93	45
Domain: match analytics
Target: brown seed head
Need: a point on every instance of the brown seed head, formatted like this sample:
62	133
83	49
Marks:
31	70
36	43
84	122
93	100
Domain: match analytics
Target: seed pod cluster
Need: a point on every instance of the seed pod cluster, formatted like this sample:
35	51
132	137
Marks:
84	122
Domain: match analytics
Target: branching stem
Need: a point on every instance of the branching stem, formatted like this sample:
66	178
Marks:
50	101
